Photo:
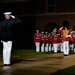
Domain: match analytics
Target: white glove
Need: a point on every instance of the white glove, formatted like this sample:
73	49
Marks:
12	16
68	36
61	28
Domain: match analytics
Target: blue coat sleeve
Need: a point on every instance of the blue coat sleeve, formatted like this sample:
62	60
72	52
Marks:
16	20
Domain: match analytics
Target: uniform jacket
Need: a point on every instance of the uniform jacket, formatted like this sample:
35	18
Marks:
50	39
46	39
73	38
64	34
6	28
37	37
43	39
55	39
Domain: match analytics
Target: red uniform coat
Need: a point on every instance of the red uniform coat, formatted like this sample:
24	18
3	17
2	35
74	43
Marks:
42	39
50	40
37	38
46	39
59	38
73	38
63	36
55	38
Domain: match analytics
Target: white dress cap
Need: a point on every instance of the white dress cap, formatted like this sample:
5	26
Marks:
7	13
46	32
37	30
42	32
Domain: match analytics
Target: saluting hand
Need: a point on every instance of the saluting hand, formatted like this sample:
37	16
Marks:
12	16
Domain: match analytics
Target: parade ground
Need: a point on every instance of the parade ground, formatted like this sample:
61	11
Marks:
39	64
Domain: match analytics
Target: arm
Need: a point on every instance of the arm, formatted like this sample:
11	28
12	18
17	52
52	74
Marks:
16	20
60	29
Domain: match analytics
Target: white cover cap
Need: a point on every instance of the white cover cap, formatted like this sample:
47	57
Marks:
42	32
37	30
46	32
7	13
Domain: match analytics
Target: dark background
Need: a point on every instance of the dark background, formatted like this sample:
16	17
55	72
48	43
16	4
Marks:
22	33
36	14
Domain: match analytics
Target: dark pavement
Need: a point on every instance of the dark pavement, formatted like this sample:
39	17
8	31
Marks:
43	64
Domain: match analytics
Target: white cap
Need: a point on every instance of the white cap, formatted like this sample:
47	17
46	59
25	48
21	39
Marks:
46	32
37	30
7	13
42	32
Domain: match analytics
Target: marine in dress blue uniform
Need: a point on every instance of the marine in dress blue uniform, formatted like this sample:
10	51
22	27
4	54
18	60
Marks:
6	35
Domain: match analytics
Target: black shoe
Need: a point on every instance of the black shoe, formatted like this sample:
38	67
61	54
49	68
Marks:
7	64
65	55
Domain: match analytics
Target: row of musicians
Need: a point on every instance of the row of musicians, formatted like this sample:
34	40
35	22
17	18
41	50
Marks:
51	42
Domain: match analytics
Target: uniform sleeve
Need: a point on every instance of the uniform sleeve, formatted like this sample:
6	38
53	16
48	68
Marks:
16	20
60	31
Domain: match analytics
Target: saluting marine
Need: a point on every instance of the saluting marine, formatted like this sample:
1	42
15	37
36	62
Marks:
6	35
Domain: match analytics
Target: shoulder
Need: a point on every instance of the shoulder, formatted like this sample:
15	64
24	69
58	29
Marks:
2	22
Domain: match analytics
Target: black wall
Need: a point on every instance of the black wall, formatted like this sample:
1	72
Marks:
23	32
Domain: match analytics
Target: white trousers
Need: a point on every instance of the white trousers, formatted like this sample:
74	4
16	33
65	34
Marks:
42	47
7	46
61	47
72	47
46	47
50	47
66	47
55	47
58	46
37	44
